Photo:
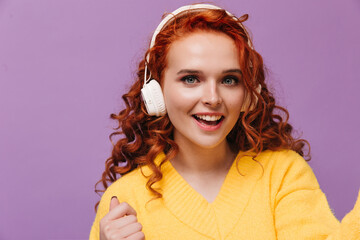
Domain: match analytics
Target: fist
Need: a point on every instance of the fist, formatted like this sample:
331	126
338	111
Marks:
120	223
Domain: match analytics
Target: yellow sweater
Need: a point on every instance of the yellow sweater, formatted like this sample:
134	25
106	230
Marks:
285	202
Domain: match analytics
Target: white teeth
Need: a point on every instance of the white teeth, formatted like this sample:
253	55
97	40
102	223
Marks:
208	117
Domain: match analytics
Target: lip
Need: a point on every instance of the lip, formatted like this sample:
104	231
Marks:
209	113
209	128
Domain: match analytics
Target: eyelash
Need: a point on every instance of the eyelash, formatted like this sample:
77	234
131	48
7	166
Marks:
184	79
235	79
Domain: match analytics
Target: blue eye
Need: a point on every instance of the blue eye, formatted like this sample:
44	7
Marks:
189	79
230	80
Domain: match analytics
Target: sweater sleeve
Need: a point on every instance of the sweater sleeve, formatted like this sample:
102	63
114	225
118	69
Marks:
350	225
302	210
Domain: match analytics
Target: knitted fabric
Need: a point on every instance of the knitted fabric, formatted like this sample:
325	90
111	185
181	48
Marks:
282	202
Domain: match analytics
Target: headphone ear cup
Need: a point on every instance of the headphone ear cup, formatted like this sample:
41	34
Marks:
153	98
246	103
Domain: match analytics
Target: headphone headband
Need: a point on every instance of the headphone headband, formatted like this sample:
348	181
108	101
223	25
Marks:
180	10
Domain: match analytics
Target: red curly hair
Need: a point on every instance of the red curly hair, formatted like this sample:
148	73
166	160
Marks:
143	137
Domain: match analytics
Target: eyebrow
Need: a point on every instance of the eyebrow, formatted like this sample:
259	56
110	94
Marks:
236	70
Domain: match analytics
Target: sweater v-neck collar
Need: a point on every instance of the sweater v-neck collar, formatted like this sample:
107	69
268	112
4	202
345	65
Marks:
191	208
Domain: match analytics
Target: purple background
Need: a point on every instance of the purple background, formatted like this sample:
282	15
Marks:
65	64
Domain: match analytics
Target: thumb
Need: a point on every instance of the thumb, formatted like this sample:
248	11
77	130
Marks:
114	202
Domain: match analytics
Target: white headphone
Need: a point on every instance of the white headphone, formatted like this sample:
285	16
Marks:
151	91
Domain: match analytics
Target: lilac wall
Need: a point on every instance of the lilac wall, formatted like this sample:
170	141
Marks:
64	65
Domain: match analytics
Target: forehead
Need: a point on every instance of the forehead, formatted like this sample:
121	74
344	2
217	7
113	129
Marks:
203	49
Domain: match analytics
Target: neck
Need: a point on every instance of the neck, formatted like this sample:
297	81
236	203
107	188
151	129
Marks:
198	160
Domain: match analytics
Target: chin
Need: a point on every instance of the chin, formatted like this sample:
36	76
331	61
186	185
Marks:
208	143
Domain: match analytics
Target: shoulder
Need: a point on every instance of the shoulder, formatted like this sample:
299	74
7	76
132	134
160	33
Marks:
286	168
282	159
131	187
274	165
126	188
126	185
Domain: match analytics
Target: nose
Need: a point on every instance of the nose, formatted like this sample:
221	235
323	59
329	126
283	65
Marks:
211	95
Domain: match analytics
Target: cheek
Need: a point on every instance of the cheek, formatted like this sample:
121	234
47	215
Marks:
234	101
178	98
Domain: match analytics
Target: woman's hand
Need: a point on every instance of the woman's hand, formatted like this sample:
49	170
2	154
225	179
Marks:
120	222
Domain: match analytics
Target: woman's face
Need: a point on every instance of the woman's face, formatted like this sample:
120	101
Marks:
202	88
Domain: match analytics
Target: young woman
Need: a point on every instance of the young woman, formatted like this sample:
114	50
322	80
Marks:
205	153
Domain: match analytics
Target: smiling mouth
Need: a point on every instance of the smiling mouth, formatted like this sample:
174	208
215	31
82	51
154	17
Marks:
208	120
